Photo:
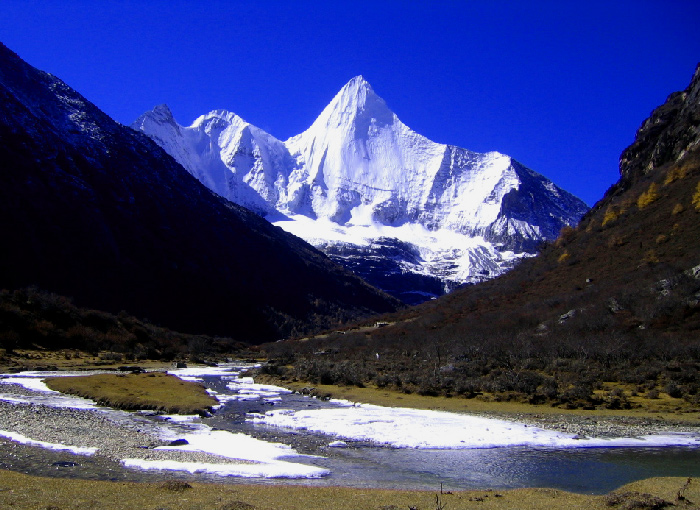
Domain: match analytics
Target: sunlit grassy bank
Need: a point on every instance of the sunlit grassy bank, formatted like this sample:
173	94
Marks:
25	492
152	390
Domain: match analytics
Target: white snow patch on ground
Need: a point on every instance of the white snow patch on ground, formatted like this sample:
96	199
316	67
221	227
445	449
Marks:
413	428
29	382
246	389
20	438
346	421
250	457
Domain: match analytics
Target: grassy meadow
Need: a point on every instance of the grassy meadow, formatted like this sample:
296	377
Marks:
27	492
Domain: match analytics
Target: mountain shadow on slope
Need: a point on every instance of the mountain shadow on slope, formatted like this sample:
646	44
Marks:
93	210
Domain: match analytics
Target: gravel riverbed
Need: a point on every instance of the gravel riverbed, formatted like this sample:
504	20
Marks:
115	437
600	426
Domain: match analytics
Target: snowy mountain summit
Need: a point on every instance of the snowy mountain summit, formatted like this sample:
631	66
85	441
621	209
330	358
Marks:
412	216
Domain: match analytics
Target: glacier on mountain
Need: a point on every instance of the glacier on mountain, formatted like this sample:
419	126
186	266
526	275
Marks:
373	194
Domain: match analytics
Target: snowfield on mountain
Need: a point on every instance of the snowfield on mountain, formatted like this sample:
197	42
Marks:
414	217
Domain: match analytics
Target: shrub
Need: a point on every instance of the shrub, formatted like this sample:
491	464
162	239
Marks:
650	257
650	196
676	173
696	198
611	214
653	394
673	390
630	500
175	485
566	235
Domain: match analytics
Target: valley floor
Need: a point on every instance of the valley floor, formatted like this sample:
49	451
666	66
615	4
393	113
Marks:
65	426
650	417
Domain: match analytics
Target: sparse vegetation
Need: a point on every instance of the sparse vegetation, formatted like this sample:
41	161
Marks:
33	319
675	173
598	309
611	214
696	198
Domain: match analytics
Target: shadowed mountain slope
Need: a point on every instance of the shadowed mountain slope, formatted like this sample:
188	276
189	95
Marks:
93	210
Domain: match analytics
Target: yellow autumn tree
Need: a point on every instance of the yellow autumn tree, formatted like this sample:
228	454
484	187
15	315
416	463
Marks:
696	198
649	196
611	214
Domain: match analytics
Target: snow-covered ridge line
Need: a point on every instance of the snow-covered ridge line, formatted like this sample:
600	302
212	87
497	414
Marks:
358	165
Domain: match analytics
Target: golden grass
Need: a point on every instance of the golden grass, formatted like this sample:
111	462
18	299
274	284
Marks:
170	394
152	390
68	359
24	492
27	492
662	408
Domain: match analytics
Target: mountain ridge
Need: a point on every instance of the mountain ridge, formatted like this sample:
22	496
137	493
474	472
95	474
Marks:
364	171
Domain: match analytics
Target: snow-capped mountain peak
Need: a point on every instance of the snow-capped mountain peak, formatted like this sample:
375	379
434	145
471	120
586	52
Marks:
355	106
364	175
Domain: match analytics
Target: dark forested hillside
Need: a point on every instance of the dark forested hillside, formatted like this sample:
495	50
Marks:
95	211
614	299
40	321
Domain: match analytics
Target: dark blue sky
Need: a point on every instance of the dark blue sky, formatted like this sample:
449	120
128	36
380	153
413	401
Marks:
560	86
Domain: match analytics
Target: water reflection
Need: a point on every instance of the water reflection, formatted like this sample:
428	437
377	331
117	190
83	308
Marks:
594	471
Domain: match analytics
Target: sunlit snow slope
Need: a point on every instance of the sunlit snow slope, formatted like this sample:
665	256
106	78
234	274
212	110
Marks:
412	216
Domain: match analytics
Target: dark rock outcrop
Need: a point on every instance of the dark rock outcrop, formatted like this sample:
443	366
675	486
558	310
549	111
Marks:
671	130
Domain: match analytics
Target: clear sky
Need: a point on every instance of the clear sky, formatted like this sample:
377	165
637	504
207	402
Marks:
560	86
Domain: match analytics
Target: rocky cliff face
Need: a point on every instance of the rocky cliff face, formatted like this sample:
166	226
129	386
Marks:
94	210
668	134
361	174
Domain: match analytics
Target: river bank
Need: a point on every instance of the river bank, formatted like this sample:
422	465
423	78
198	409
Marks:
24	492
96	433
